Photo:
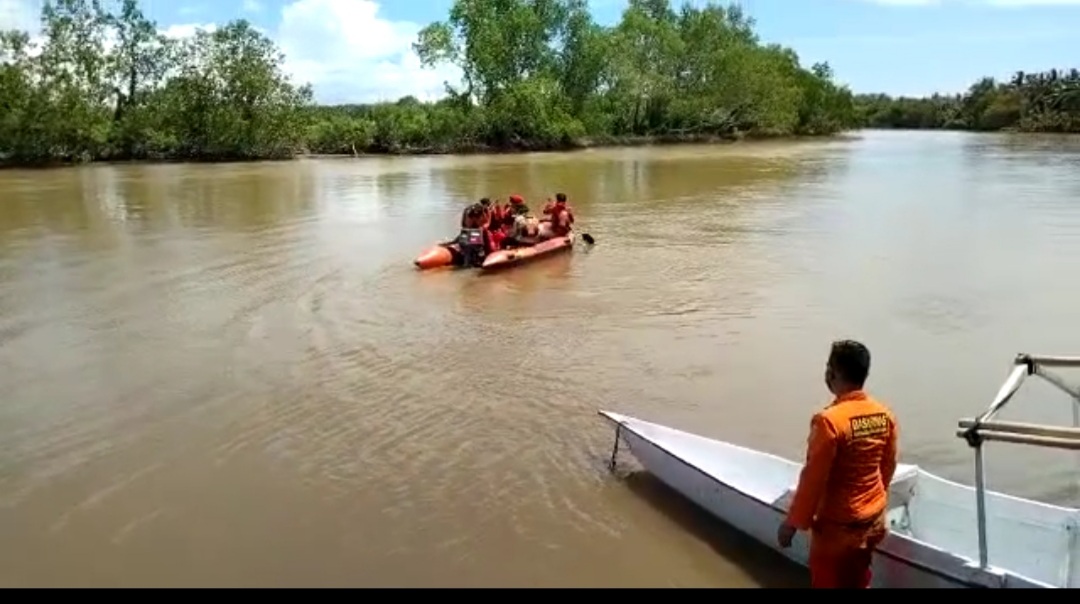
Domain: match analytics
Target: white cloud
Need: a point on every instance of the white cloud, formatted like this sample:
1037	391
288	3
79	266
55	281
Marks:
186	30
344	48
350	54
19	14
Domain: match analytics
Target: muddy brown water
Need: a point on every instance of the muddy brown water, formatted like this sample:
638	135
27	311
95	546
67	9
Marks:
231	375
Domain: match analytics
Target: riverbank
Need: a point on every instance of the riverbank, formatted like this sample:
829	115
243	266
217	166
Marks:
1011	130
580	144
604	142
608	142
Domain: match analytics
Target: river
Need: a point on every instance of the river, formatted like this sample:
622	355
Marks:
231	375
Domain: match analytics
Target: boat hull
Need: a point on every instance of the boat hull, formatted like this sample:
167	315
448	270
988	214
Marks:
438	256
503	259
754	501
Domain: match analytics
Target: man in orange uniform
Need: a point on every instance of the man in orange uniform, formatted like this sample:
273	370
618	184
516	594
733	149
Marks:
843	488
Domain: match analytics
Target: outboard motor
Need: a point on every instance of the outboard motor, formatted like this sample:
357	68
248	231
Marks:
473	250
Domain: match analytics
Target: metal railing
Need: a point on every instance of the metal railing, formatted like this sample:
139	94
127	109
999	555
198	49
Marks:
981	429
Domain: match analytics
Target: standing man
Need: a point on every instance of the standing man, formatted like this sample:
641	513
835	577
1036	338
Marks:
844	486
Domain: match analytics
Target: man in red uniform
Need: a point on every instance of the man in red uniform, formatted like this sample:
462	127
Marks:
517	206
523	227
478	217
494	223
561	219
495	210
560	199
488	214
844	487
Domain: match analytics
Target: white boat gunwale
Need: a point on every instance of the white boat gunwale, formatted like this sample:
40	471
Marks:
621	425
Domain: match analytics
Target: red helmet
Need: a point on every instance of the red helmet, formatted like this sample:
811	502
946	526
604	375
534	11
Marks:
517	199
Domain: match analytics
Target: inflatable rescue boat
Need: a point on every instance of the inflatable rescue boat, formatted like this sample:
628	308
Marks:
467	252
513	257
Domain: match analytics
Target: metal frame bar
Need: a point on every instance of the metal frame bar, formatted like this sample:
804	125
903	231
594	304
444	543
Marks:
983	428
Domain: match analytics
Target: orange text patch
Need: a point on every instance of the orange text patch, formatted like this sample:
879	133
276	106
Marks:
865	426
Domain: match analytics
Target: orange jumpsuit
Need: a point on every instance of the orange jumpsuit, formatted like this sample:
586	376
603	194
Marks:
843	489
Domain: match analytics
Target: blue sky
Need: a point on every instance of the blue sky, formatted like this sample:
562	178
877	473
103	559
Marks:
358	50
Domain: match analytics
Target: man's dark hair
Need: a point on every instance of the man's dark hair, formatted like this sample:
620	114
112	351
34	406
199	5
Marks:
560	197
485	201
851	362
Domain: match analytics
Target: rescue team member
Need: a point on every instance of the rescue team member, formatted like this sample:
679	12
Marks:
517	206
477	216
525	228
561	221
495	211
473	217
843	488
484	209
493	223
559	198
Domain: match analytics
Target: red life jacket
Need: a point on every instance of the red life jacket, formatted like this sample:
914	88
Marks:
498	215
561	228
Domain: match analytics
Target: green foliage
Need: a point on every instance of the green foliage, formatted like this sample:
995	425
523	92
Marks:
1040	102
218	95
541	74
538	74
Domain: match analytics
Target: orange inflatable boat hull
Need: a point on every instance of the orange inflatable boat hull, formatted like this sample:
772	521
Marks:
442	255
507	258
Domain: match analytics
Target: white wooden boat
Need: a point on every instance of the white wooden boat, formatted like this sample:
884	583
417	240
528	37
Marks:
942	533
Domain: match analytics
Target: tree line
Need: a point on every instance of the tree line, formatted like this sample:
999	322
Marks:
110	85
1028	102
538	74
